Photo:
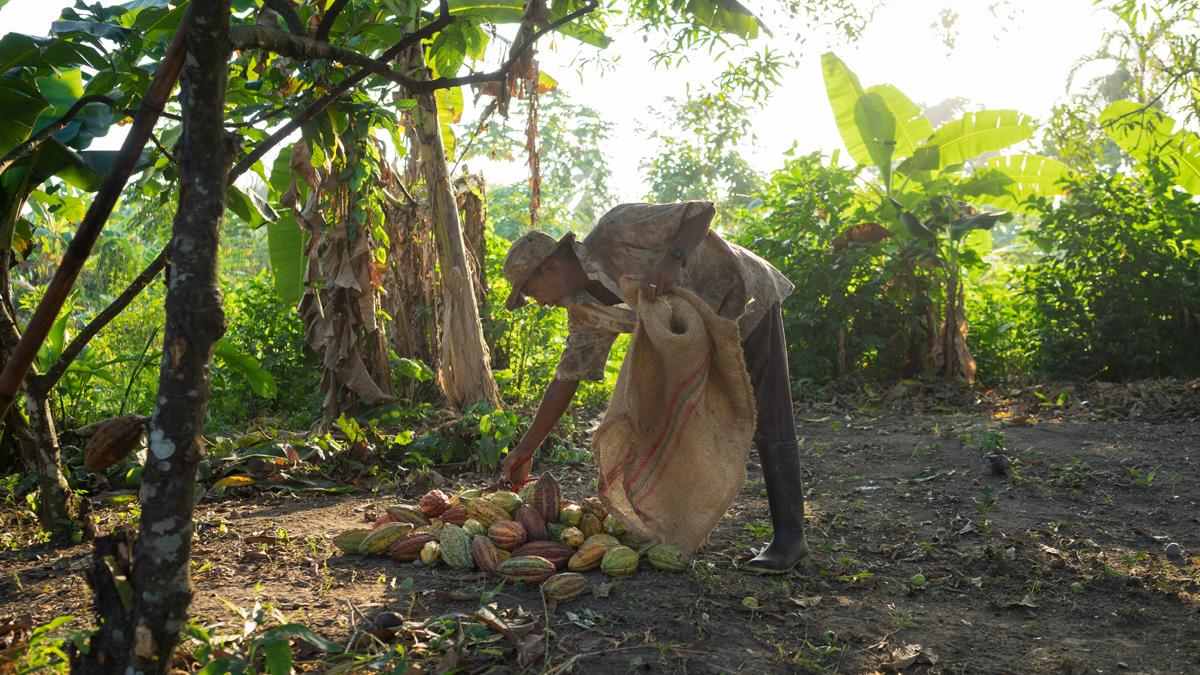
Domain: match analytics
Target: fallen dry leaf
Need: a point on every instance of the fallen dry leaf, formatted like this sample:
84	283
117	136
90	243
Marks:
807	603
910	655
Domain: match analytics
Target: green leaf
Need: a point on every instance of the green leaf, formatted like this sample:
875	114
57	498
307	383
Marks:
259	379
980	221
447	51
912	127
591	33
21	108
844	91
979	242
285	246
295	630
108	31
17	49
250	207
877	126
978	132
278	656
1148	135
62	89
414	369
450	109
725	16
52	347
281	172
511	11
1030	176
990	182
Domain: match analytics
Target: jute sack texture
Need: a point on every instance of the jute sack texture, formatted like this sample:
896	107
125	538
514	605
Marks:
672	446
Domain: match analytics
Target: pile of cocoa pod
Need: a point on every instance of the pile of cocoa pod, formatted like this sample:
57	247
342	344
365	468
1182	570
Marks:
535	537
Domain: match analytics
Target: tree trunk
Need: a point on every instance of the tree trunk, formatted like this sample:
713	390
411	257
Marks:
464	366
160	581
32	429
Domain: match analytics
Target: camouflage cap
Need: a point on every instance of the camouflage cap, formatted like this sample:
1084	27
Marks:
523	258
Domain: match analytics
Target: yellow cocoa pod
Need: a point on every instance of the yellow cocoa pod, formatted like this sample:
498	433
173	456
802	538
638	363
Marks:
606	540
431	554
382	537
590	525
486	512
586	559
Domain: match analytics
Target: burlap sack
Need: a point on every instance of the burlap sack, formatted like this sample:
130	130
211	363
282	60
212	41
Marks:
672	446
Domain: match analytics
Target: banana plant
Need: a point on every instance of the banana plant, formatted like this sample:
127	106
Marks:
934	185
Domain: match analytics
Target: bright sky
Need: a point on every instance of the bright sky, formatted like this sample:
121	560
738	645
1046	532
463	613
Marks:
1020	62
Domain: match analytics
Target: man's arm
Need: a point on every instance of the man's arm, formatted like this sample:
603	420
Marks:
662	277
516	464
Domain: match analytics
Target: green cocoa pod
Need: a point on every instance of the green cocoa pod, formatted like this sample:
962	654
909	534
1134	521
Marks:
570	515
619	562
529	569
474	527
456	548
667	557
613	526
509	501
349	540
565	586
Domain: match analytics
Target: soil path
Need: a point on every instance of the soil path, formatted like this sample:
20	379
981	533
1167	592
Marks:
1059	565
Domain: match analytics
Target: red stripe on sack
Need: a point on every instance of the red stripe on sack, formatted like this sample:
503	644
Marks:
648	489
608	478
669	425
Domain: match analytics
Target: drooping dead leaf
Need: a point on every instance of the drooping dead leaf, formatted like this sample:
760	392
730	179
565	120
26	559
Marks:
448	662
863	233
530	649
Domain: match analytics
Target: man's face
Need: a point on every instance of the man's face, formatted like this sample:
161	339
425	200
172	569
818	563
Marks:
548	284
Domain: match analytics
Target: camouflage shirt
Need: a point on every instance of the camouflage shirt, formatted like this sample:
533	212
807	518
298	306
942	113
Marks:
632	238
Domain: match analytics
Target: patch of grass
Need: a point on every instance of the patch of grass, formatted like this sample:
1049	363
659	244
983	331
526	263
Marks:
924	452
1074	473
761	528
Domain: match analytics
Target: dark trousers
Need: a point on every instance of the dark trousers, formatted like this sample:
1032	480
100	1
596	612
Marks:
765	350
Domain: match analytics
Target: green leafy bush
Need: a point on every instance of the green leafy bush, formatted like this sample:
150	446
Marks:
864	299
264	328
1116	291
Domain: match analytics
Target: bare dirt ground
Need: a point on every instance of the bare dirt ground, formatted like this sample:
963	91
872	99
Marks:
1061	564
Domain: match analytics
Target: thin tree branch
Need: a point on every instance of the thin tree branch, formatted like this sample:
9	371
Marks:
502	73
40	385
54	127
327	20
161	148
285	9
97	215
444	19
307	49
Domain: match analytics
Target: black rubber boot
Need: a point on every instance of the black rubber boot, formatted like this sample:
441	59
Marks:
785	496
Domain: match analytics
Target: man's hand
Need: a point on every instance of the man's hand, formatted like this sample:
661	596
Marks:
514	468
660	279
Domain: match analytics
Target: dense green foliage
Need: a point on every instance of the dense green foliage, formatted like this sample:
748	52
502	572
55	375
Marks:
1115	292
